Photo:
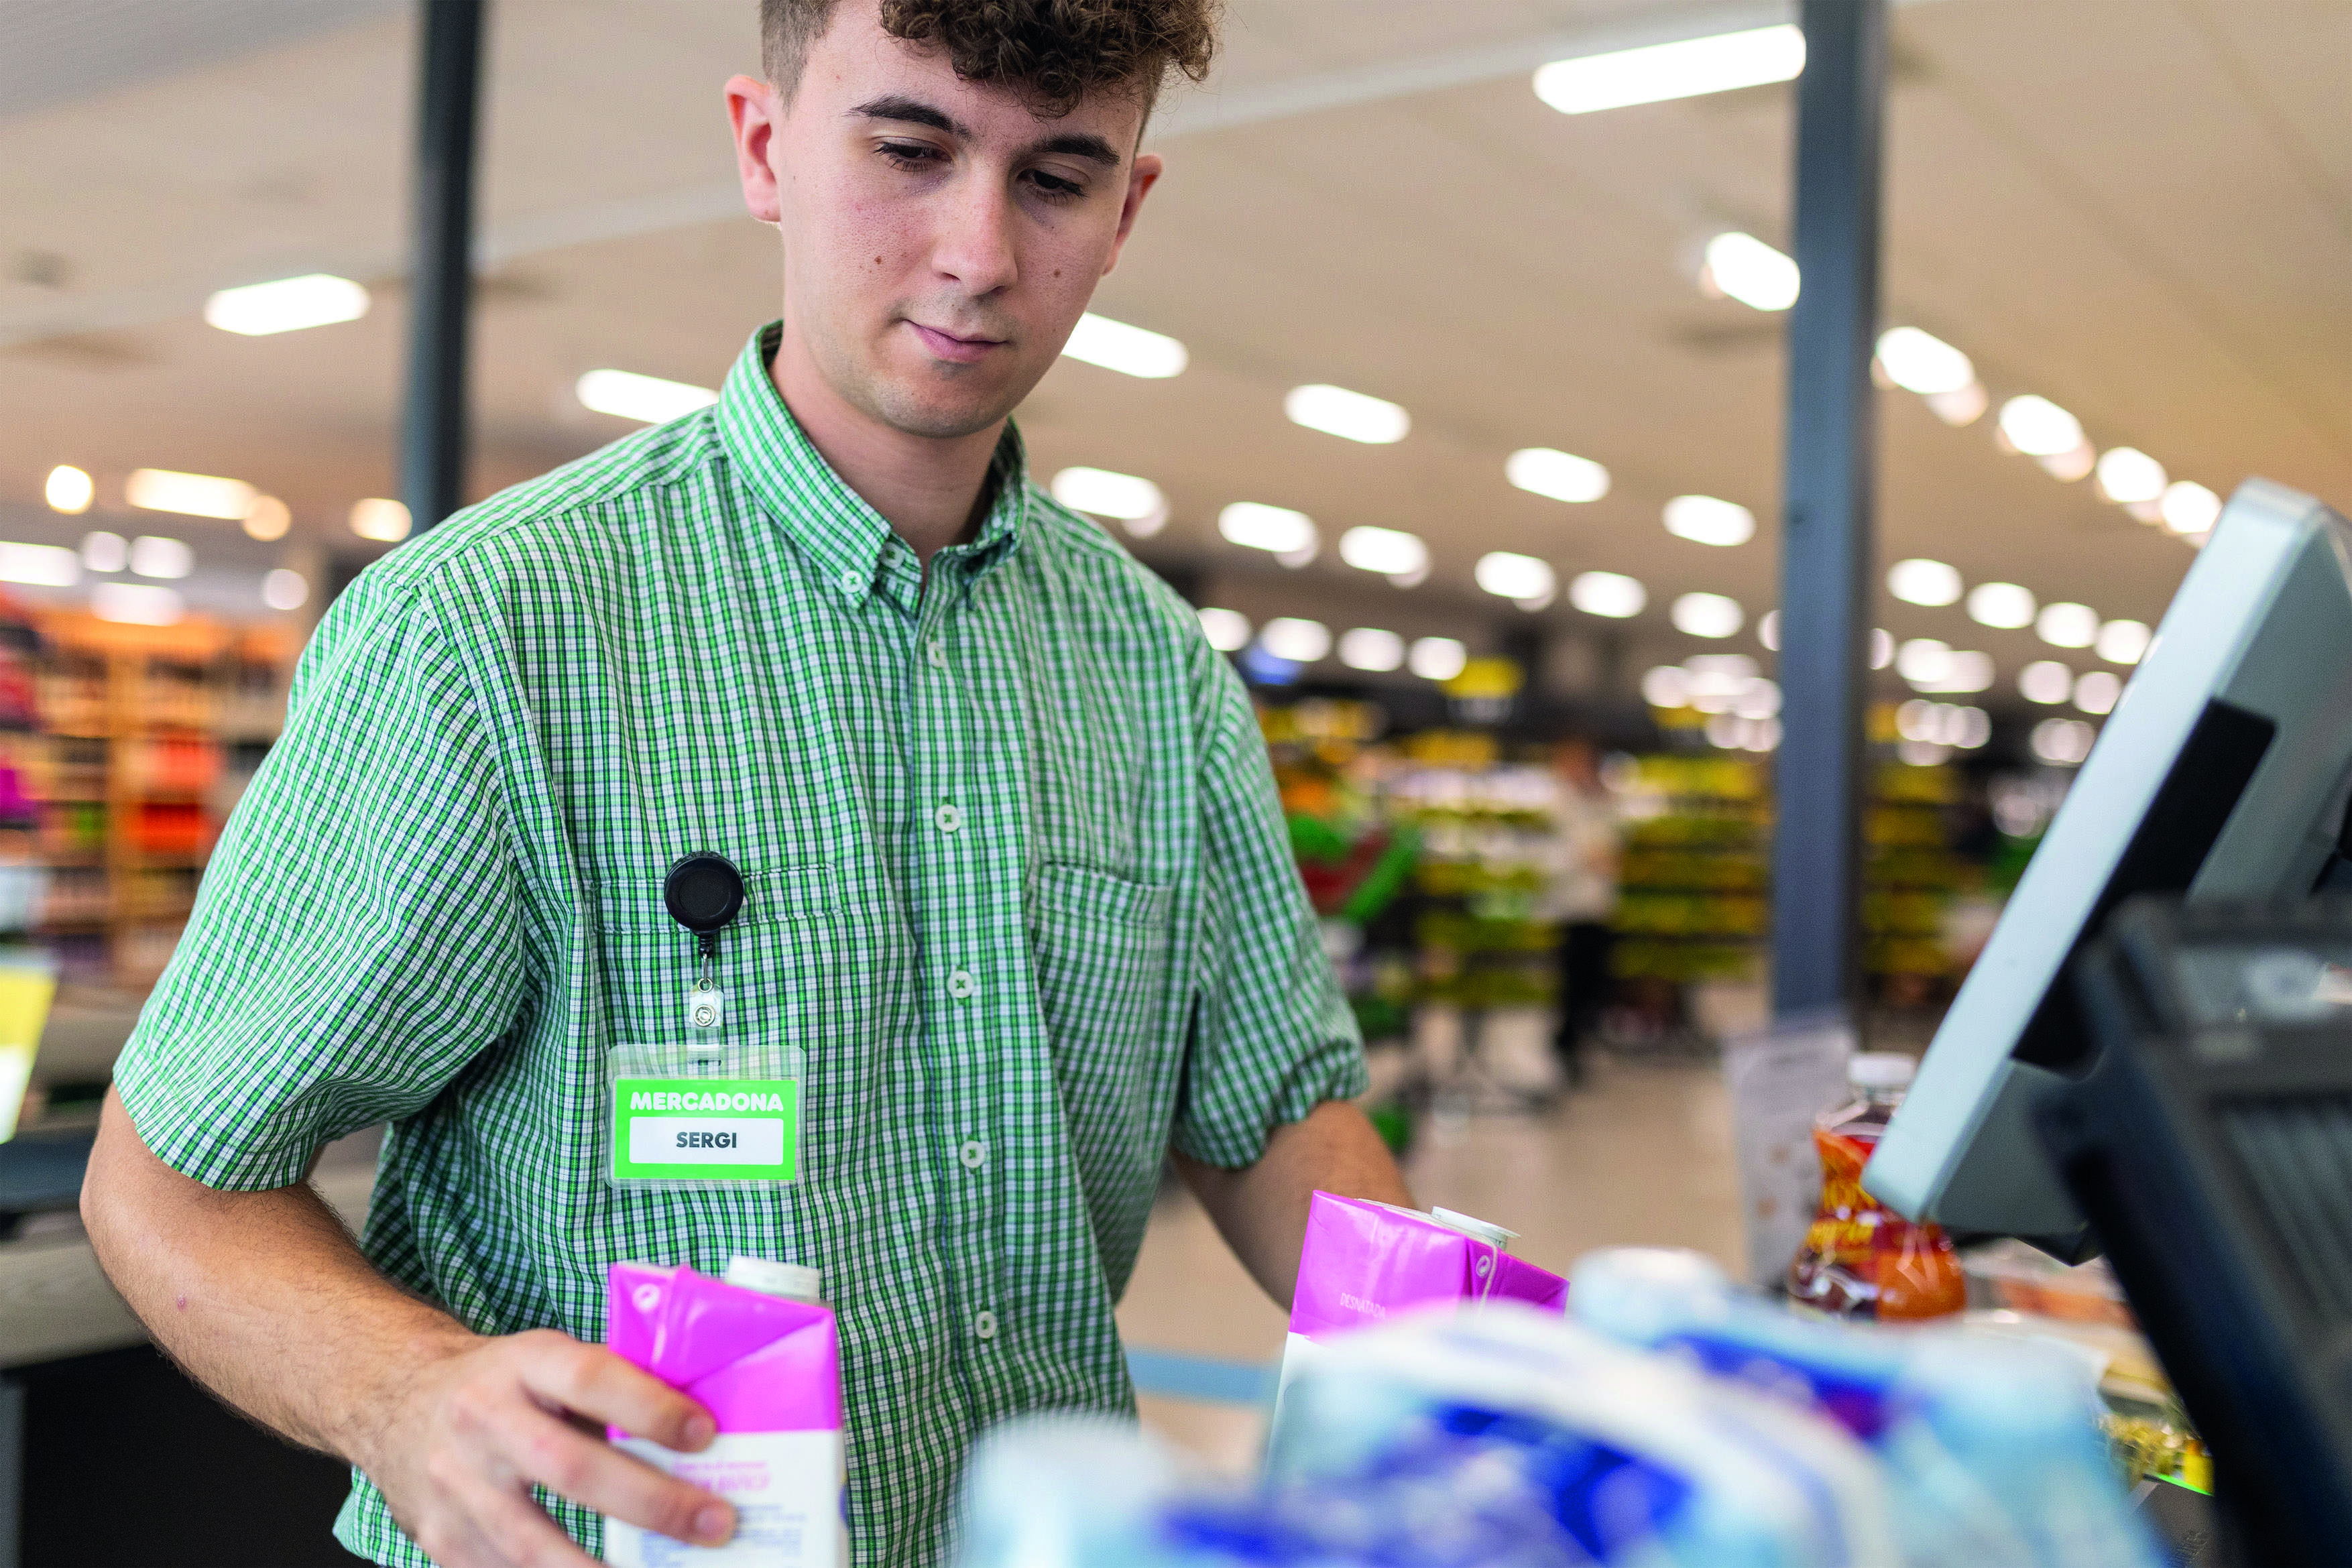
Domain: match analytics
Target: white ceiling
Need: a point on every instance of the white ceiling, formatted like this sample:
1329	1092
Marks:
2140	208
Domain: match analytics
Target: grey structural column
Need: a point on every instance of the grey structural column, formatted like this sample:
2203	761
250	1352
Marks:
440	273
1828	513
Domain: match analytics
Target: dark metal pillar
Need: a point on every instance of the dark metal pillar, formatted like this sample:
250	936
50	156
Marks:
1828	512
440	273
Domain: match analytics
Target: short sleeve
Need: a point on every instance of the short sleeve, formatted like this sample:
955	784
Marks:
357	936
1272	1036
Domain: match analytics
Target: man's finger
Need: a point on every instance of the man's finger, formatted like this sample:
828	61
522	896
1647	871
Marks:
594	1474
593	1381
518	1530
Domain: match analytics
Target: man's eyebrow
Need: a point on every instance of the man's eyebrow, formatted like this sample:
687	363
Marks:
910	111
1080	144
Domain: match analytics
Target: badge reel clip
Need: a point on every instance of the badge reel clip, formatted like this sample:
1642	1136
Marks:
704	893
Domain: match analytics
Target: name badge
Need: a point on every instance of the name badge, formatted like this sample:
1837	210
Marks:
705	1129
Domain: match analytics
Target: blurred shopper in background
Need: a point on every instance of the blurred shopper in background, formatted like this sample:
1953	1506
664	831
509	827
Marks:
1580	895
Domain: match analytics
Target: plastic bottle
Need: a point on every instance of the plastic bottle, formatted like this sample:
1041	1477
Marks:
1859	1258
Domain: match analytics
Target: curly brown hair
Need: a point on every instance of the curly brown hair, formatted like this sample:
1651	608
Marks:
1052	52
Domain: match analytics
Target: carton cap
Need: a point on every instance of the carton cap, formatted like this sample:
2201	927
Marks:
796	1281
1484	1230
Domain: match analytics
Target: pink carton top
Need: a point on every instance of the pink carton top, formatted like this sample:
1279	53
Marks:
756	1363
1364	1260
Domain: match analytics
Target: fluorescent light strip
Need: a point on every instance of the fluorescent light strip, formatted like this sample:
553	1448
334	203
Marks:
1130	350
191	494
1662	71
628	395
287	305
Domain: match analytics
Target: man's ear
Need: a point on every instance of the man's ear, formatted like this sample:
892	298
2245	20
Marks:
754	109
1141	176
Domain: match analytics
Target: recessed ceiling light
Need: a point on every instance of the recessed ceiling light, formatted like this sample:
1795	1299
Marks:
1964	670
1882	647
1703	519
2097	691
288	305
39	565
2069	467
1336	410
1437	658
2066	625
649	399
1392	553
1608	593
2045	681
267	518
68	489
1371	648
1923	363
1965	406
137	604
1278	531
1562	475
1768	629
1298	641
1667	687
2128	474
1921	581
1130	350
2001	604
2039	428
1707	615
2124	642
1519	578
1751	271
1922	660
1687	69
104	551
2063	741
2189	508
1103	493
284	589
1228	631
381	520
191	494
153	556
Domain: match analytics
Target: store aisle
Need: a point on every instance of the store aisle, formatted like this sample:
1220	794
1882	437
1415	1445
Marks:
1642	1155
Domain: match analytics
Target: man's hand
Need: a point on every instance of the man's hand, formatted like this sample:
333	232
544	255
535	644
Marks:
462	1444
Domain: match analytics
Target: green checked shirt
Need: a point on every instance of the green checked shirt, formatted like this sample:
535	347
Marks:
1018	885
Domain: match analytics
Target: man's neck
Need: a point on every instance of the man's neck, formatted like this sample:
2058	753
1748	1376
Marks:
933	491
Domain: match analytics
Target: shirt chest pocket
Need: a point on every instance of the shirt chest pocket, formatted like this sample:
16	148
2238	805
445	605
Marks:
1099	948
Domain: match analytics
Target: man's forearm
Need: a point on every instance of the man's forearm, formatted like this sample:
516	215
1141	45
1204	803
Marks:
1261	1209
262	1296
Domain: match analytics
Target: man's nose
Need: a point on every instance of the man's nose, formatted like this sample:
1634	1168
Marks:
974	242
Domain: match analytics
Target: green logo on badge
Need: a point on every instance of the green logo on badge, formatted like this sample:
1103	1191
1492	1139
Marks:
705	1129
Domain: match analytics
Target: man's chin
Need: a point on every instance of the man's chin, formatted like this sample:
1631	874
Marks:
938	418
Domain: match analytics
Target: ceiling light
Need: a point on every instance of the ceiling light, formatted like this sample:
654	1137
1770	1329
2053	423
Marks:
1882	647
103	551
1967	671
1392	553
284	589
2128	474
267	518
1278	531
1921	362
1299	642
384	521
1370	648
2124	642
2189	508
193	494
2097	691
136	604
2066	625
1662	71
2068	467
154	556
2045	681
2040	428
1437	658
1515	577
314	299
1757	698
1336	410
650	399
68	489
1707	615
1972	729
1666	687
1130	350
2001	604
1562	475
2062	742
1228	631
1922	661
1136	502
1751	271
1768	629
1965	406
41	566
1608	593
1703	519
1921	581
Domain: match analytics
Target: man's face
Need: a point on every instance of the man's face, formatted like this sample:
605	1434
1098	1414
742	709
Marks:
940	239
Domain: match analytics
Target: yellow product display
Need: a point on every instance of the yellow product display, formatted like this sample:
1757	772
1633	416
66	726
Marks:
26	990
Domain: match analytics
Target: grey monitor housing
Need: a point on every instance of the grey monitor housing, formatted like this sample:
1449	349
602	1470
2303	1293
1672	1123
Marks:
2222	773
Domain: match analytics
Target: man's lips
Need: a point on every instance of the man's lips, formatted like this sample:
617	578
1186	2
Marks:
958	350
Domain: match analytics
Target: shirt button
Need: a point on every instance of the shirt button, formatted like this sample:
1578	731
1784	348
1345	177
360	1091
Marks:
947	818
974	1153
937	652
962	985
851	582
983	1323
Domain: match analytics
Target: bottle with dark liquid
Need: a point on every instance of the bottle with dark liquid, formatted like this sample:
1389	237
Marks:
1861	1259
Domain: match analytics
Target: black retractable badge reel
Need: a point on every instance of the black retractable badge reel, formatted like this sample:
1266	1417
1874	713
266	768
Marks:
704	893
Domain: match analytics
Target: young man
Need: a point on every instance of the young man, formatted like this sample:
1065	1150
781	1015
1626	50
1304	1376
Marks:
1019	910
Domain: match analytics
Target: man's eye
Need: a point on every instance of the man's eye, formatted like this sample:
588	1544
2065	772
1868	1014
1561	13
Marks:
1054	186
910	154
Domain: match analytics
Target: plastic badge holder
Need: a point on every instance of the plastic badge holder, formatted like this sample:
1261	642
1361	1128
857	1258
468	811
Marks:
715	1112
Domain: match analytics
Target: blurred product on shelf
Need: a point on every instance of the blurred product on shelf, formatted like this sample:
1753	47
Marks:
1860	1259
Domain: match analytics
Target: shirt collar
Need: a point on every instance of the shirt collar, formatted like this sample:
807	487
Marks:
848	539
